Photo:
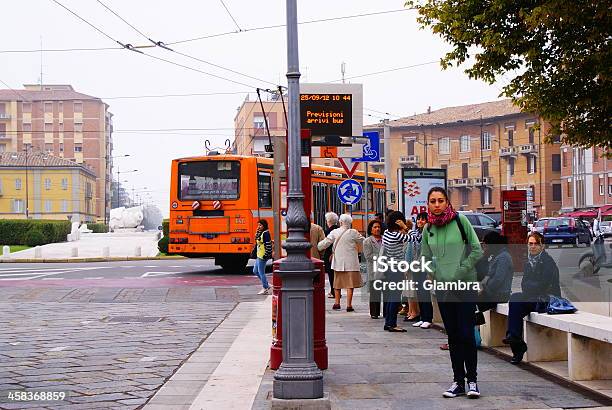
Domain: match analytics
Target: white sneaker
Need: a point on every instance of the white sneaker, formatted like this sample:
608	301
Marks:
425	325
417	324
263	292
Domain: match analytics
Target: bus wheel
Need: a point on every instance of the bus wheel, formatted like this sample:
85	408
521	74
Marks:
233	265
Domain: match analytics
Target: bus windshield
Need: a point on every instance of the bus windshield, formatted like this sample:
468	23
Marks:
209	180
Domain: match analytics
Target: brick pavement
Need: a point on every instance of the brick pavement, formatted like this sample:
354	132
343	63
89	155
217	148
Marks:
107	347
373	369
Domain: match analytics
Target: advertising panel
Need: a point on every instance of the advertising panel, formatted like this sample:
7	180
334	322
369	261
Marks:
414	185
514	224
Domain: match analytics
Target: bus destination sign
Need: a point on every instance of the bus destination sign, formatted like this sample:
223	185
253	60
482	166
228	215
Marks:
327	114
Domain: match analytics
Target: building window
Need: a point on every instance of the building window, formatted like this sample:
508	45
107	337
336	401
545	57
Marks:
464	143
595	154
47	184
259	122
556	162
410	146
265	190
48	127
78	148
49	107
18	205
78	107
511	163
27	127
444	145
531	135
464	170
48	205
610	190
569	189
61	147
26	107
564	159
49	148
485	168
2	147
64	205
65	184
17	183
61	127
556	192
510	137
531	164
556	139
486	141
602	188
78	127
465	197
486	196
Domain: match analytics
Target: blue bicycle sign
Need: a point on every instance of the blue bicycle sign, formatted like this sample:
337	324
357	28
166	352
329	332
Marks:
371	149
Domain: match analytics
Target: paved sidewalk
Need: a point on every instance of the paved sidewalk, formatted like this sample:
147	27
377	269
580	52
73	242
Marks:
373	369
91	245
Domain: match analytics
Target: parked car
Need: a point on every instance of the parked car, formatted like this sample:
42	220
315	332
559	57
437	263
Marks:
566	230
606	228
482	223
538	226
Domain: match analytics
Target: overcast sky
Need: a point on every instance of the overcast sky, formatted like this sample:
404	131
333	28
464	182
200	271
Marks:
366	44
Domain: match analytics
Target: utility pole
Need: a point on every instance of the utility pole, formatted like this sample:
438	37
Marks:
387	143
298	377
481	166
27	192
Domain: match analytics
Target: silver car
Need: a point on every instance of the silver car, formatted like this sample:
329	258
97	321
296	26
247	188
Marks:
538	226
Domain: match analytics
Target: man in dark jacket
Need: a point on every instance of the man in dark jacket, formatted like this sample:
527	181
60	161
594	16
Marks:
540	280
496	283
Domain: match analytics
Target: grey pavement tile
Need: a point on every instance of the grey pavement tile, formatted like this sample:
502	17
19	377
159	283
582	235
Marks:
171	400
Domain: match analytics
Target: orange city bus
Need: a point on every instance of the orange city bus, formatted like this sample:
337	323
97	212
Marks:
216	201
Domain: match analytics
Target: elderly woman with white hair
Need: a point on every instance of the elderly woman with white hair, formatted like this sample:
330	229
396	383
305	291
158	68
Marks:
331	220
346	243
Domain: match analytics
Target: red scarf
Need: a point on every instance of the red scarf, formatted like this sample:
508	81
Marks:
442	219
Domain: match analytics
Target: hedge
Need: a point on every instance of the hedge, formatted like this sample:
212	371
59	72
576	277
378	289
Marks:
162	244
98	228
17	231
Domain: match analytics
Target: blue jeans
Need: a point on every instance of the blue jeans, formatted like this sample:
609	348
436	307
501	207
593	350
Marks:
259	269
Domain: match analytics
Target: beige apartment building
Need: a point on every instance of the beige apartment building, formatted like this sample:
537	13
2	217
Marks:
586	178
57	120
510	155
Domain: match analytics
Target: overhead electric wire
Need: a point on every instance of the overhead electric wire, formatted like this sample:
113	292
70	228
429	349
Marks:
386	71
162	45
230	14
381	112
125	21
174	95
283	25
132	48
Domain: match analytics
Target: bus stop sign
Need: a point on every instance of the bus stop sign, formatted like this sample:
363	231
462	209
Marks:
350	192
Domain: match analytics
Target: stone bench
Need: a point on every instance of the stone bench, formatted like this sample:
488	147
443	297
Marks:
575	346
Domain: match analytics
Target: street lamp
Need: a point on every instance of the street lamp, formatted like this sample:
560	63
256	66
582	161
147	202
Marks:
298	377
119	183
109	160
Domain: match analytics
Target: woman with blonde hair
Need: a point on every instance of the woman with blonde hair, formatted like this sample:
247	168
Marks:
345	243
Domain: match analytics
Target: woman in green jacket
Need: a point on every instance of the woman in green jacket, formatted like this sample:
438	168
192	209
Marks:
450	243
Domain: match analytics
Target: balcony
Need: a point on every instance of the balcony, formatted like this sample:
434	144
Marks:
411	160
5	137
507	152
486	181
4	116
462	183
528	149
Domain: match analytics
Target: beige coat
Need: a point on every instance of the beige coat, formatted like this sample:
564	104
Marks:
316	236
346	257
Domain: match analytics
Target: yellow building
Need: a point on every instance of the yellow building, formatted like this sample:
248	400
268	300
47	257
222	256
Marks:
36	185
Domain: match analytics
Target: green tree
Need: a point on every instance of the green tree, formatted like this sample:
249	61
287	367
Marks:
557	53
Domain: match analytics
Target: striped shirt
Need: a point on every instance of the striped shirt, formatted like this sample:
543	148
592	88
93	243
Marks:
393	243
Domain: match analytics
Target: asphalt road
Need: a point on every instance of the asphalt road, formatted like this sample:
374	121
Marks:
175	272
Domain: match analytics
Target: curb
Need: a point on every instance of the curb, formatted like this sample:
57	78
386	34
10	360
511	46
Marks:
96	259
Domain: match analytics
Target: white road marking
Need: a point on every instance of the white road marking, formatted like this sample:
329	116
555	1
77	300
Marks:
151	266
59	348
52	278
99	277
148	359
34	273
153	274
125	267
